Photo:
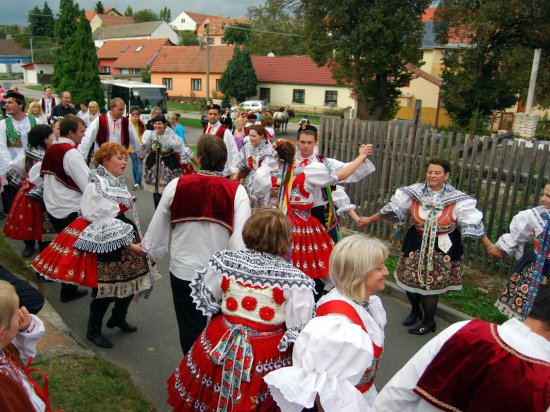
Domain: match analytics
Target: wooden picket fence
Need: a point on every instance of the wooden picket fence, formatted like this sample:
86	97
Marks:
504	175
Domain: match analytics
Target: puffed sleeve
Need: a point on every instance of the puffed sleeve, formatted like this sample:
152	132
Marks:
329	358
364	169
260	188
469	219
521	232
105	233
299	310
342	201
34	174
186	154
146	140
398	206
18	164
206	289
26	341
319	175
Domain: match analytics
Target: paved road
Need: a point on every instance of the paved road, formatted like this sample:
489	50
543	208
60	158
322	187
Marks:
151	354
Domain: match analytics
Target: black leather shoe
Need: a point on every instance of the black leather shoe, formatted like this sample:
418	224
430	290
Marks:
412	318
28	251
98	339
122	324
422	329
73	296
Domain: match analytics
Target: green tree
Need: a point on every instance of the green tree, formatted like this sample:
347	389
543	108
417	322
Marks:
99	8
277	29
35	19
165	14
495	68
239	80
146	74
237	33
187	38
144	15
64	58
48	21
366	43
129	12
85	72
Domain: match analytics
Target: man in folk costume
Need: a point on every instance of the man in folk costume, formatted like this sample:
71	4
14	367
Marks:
215	128
13	140
48	102
478	366
111	127
65	177
207	213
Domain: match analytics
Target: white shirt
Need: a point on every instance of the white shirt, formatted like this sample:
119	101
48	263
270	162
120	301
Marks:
114	126
232	151
193	243
48	105
7	154
397	395
61	201
364	169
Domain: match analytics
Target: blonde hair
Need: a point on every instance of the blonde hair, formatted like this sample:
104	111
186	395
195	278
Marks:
94	104
240	120
351	262
34	104
8	301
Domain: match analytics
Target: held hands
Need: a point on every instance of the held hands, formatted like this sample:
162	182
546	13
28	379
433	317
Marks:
494	251
136	249
363	221
24	318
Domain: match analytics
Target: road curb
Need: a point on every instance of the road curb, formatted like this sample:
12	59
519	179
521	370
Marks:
446	312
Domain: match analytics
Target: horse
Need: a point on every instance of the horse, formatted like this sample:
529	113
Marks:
280	120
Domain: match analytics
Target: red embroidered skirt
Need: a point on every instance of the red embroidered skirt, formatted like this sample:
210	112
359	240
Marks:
311	245
61	261
197	384
24	220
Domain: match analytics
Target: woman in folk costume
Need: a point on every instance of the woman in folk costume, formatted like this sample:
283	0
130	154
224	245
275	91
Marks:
99	249
24	220
311	243
264	303
257	152
430	262
168	156
336	356
531	274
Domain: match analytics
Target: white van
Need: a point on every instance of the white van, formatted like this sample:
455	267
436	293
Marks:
252	105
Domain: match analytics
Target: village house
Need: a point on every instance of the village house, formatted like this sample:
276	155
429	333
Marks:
12	56
147	30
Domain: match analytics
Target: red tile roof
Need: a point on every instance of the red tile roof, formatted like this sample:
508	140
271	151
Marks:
108	20
425	75
428	14
217	24
291	70
191	59
9	47
90	14
127	54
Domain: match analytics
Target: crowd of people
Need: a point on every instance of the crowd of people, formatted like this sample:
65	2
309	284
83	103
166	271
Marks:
275	309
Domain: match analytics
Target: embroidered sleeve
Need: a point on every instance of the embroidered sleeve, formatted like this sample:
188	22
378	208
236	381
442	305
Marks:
299	311
206	290
398	206
469	219
521	232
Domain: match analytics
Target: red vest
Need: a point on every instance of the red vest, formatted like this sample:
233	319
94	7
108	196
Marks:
43	103
200	197
220	132
103	131
53	164
477	371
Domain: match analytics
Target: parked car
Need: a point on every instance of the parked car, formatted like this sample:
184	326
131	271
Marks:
251	105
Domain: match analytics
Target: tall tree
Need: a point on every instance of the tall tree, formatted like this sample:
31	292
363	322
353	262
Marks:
144	15
165	14
277	29
36	23
239	80
237	33
85	73
366	43
129	12
99	8
48	21
64	58
495	68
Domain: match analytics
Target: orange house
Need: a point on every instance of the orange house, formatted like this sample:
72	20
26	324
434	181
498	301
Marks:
182	69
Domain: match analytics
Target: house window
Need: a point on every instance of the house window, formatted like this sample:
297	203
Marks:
124	71
217	84
298	96
167	81
139	48
183	20
196	84
211	40
105	69
265	93
136	71
331	97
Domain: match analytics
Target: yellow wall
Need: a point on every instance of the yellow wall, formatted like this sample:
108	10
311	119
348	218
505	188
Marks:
427	115
421	88
433	61
181	83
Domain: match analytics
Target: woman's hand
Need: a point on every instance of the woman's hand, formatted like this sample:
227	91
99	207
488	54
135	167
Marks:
136	249
494	251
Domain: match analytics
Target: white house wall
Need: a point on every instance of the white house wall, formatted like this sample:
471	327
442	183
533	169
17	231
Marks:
187	24
165	32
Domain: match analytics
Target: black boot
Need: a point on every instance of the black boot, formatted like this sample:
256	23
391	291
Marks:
98	307
29	249
71	292
118	317
412	318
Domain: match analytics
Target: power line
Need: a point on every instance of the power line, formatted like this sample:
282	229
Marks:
263	31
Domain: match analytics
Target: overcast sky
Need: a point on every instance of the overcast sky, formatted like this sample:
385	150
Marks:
17	12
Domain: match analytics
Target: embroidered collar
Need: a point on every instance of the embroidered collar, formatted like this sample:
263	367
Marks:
36	153
111	187
425	196
167	140
210	173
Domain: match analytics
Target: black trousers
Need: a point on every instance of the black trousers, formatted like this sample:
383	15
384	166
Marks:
191	321
59	225
8	195
29	297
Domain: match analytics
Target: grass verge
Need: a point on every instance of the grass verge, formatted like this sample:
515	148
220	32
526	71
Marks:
11	258
187	107
472	300
37	87
80	383
196	123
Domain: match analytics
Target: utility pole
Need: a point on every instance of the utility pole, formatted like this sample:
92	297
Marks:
533	81
32	54
207	29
